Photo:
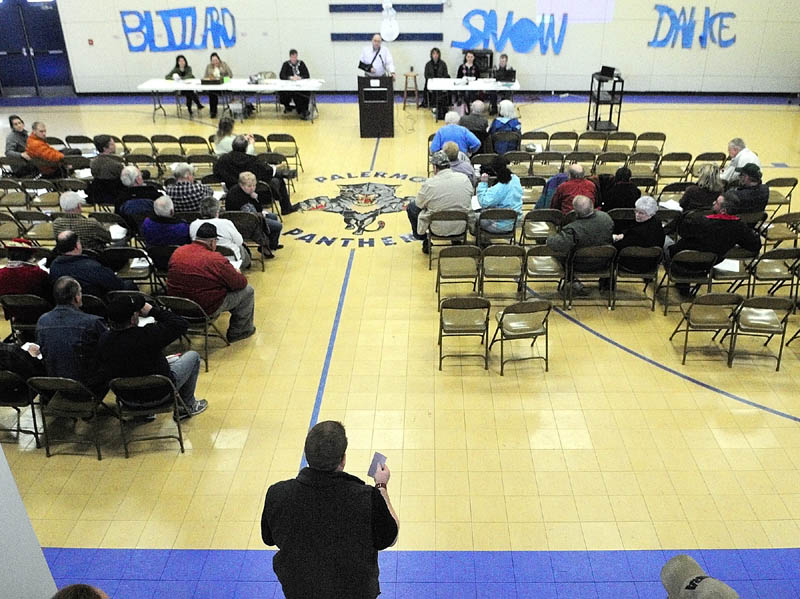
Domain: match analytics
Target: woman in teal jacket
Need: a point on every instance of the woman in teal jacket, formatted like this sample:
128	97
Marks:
506	194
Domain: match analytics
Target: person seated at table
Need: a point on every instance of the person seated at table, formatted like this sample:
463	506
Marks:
243	196
294	70
216	69
452	131
494	97
468	69
505	194
223	140
622	193
21	275
106	170
182	70
506	121
163	228
435	68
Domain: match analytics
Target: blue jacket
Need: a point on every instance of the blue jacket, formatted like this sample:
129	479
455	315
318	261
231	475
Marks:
501	124
164	230
68	340
463	137
507	196
95	279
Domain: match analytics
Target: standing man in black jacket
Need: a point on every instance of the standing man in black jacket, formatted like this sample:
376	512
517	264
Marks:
229	166
294	70
130	350
328	525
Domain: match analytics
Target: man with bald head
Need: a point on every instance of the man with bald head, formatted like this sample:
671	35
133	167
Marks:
590	228
575	185
376	60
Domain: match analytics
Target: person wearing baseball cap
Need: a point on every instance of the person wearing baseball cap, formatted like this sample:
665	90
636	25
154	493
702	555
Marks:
683	578
128	349
446	190
752	193
198	272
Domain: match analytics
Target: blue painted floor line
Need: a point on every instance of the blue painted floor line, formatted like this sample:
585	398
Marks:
347	98
206	574
323	377
666	368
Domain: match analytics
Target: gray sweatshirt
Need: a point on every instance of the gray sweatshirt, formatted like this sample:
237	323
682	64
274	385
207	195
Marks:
16	143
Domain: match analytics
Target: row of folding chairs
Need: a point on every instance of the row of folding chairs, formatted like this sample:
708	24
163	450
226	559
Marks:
75	403
734	317
673	165
597	142
469	317
185	145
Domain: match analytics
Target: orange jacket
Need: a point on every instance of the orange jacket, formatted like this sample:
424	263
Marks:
36	148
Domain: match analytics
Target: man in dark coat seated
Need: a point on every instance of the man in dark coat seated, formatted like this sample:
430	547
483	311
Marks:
231	165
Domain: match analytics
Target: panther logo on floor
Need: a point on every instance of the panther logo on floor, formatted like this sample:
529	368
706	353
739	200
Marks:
360	205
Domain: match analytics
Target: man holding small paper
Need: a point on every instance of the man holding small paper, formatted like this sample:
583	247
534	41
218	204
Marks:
329	521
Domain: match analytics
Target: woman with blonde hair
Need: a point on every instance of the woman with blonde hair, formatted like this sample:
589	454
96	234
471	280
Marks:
705	192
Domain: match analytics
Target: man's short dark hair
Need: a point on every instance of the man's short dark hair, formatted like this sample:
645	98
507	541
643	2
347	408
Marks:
325	445
292	52
78	591
101	142
66	242
730	202
65	290
239	144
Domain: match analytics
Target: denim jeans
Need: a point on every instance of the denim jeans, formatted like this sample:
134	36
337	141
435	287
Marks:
185	370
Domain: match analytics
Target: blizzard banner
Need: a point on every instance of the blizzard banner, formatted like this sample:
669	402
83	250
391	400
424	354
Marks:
182	28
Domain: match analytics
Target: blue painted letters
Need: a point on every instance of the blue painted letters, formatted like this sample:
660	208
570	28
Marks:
523	35
180	26
683	25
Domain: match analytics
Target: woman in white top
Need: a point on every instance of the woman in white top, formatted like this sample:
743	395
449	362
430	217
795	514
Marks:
223	140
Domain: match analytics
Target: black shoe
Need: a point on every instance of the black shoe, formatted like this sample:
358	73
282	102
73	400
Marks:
287	109
213	115
200	106
426	247
235	338
294	208
277	247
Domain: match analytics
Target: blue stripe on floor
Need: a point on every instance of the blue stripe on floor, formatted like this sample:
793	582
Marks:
323	377
351	98
206	574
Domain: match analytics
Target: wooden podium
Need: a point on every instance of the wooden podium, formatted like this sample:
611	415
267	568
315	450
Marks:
376	106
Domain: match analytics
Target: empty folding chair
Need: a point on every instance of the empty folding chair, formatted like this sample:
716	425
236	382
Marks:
284	143
674	165
762	317
709	313
534	138
84	143
519	163
563	141
643	164
524	320
532	190
592	141
547	164
166	144
780	192
464	317
608	163
457	265
621	141
650	141
690	268
194	144
135	143
502	264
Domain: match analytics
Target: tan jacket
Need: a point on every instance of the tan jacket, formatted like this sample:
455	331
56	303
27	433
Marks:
224	70
446	190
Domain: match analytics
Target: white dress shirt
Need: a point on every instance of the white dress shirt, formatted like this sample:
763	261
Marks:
745	156
383	63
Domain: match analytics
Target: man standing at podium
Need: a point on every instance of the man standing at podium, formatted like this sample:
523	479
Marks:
376	60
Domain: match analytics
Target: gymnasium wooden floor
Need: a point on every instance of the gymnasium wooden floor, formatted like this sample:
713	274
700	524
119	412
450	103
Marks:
617	447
